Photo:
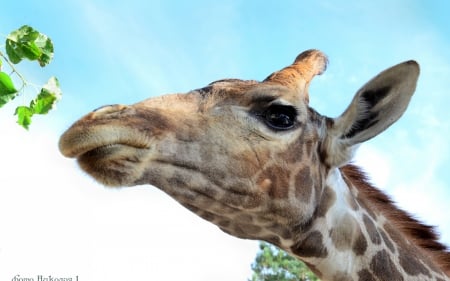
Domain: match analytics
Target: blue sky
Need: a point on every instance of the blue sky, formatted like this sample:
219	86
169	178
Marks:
60	222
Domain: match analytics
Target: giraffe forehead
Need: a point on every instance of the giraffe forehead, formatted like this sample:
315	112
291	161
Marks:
222	89
246	92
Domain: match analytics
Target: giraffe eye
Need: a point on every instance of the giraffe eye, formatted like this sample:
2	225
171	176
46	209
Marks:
280	117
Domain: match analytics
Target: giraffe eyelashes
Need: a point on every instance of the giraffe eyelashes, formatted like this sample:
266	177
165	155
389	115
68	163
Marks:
279	117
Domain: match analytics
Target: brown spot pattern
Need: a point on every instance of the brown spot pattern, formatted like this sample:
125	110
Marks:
311	246
327	200
383	268
361	202
352	202
411	264
360	244
341	276
365	275
392	233
303	185
233	199
224	223
281	230
246	230
372	230
295	151
387	241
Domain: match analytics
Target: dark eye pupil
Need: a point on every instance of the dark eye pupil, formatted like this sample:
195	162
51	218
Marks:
280	117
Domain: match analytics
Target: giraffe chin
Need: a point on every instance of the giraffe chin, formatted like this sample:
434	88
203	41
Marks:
113	165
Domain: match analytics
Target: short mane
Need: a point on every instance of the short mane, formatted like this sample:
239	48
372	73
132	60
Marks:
422	235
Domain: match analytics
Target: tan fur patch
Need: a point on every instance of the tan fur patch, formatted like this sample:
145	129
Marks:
342	234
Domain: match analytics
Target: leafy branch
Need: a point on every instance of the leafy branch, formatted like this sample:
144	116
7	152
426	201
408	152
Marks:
274	264
27	43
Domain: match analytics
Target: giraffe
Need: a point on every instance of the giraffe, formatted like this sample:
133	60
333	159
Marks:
256	160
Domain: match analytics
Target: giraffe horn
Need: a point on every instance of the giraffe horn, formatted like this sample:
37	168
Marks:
300	73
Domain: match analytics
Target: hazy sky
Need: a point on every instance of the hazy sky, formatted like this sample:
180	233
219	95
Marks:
54	220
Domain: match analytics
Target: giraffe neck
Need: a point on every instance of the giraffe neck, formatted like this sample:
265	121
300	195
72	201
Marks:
348	240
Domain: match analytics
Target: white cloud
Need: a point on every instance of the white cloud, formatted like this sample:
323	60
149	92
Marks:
376	162
417	188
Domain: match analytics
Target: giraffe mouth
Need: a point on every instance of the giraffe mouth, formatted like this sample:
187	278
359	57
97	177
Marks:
76	142
104	150
111	155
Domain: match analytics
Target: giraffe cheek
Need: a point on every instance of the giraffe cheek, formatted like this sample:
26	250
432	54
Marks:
274	182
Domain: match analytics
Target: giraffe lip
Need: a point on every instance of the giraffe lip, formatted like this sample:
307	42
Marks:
76	142
102	150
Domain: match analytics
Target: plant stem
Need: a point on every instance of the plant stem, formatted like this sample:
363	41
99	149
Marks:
14	70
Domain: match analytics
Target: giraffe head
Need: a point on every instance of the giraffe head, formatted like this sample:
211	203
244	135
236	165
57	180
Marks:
251	157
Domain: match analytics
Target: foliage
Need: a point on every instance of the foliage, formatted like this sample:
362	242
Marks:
27	43
273	264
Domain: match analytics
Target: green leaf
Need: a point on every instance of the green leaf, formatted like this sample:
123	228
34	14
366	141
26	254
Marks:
29	43
31	51
46	46
24	114
14	53
18	44
49	95
7	90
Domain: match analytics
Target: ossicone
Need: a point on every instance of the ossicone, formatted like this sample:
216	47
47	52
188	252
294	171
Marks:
299	74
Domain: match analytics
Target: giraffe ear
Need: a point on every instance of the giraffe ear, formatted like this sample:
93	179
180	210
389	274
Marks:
377	105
